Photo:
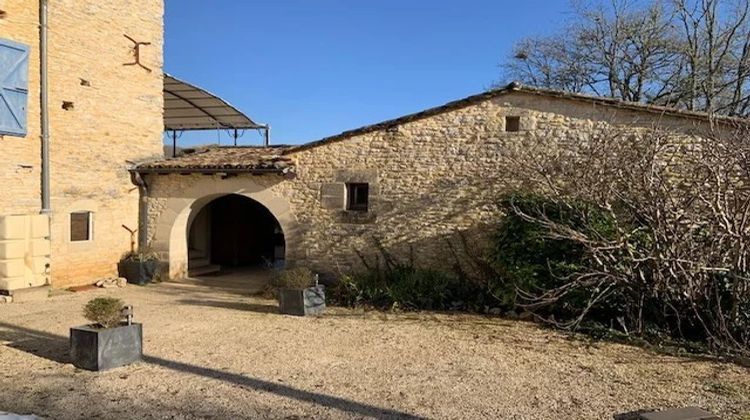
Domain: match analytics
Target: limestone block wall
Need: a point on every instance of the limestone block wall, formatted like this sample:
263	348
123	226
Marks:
105	116
434	182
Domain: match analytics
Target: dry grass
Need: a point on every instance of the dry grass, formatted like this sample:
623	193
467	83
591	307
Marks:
225	355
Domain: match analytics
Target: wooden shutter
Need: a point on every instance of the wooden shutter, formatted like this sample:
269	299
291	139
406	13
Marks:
14	87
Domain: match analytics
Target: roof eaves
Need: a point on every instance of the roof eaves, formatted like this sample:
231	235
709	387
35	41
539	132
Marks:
205	170
634	106
453	105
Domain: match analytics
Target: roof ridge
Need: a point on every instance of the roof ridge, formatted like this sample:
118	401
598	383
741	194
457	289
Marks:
517	87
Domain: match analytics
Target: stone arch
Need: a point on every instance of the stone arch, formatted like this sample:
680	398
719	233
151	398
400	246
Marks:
171	226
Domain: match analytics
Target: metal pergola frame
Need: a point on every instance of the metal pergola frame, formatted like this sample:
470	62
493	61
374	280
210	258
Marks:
190	108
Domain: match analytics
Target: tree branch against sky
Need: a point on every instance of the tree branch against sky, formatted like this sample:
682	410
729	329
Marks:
692	54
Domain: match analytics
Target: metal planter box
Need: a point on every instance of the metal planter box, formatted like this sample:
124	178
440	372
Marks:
138	272
101	349
301	302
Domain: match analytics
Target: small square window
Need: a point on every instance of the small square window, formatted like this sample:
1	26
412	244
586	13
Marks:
357	196
512	124
80	226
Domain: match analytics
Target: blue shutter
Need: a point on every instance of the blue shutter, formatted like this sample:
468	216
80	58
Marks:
14	87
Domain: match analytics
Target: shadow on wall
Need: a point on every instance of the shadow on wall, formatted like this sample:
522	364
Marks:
461	253
55	348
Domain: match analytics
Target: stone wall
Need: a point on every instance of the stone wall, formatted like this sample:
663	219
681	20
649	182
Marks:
20	165
112	118
438	179
434	182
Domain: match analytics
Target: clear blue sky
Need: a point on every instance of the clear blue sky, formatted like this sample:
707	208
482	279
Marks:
316	68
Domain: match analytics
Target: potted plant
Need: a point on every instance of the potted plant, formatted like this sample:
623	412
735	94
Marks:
108	342
139	267
299	292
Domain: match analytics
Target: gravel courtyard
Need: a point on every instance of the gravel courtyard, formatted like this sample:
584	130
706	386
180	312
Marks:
222	354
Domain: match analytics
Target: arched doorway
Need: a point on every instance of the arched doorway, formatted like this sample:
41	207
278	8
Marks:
168	221
234	232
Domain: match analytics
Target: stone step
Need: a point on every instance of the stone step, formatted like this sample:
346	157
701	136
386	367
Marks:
203	270
199	262
196	253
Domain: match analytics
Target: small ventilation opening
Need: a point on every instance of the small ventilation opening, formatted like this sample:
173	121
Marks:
512	124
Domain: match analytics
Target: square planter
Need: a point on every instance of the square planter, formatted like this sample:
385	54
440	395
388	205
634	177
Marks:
301	302
107	348
138	272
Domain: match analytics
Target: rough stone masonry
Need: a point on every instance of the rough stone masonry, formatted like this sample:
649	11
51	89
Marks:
434	179
104	118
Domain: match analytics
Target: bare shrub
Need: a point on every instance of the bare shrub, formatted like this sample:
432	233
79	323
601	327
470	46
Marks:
294	278
677	252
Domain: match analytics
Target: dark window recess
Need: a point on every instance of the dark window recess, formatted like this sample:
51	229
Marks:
513	124
80	226
357	196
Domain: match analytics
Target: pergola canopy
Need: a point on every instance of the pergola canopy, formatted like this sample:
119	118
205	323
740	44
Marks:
188	107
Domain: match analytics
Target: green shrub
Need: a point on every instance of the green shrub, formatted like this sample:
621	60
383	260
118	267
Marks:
294	278
405	286
105	312
528	259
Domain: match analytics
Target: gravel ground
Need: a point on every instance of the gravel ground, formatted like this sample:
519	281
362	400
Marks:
220	354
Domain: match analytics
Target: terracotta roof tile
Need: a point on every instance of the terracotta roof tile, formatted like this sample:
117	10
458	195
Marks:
214	159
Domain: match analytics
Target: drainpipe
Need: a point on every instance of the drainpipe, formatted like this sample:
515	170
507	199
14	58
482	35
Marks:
44	105
137	180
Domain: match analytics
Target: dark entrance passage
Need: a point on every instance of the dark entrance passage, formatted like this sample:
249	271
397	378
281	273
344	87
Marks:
234	231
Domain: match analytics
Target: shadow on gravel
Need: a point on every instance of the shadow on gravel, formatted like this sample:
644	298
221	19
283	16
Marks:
55	348
228	304
342	404
39	343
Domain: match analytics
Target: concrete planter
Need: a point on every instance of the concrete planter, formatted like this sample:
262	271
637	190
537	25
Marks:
138	272
301	302
100	349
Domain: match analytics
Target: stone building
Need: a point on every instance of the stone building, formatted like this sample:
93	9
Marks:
104	108
409	186
412	187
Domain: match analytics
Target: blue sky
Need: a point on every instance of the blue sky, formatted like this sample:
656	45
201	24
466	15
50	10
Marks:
316	68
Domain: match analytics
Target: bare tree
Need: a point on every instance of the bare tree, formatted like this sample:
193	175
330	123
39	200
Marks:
550	62
693	54
715	41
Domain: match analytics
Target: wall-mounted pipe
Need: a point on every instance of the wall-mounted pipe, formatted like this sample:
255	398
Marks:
44	106
137	180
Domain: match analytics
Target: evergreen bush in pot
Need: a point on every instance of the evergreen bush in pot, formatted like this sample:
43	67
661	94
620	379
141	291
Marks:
108	342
